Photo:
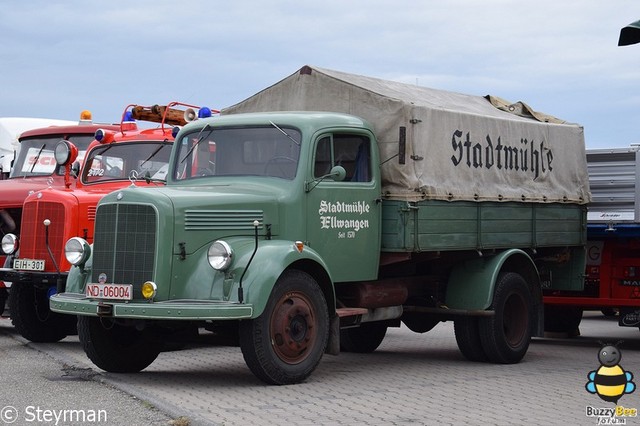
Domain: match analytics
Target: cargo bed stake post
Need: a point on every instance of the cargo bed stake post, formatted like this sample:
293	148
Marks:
256	224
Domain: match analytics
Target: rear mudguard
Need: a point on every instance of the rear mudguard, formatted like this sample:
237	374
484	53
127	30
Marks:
472	283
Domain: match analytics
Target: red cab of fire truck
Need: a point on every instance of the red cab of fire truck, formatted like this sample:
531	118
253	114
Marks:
612	283
35	168
116	158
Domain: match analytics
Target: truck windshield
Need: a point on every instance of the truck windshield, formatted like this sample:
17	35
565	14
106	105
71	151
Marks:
238	151
35	157
117	160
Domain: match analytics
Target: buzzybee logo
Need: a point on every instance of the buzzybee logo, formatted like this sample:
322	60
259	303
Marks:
610	381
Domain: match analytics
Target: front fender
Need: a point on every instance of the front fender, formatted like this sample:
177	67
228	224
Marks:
79	276
472	282
272	258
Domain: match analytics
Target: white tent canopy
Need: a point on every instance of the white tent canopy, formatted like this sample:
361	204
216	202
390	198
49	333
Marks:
458	147
12	127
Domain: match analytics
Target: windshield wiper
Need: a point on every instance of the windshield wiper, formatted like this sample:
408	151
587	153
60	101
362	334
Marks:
201	137
35	161
153	154
284	133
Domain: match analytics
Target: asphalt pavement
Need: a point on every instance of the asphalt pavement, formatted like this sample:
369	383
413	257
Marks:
411	379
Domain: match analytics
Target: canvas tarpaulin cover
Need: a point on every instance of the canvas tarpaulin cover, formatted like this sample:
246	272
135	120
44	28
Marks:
458	147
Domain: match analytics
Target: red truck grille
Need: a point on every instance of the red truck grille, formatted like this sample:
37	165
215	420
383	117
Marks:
32	234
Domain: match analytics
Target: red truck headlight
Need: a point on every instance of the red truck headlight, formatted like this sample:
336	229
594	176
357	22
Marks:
9	244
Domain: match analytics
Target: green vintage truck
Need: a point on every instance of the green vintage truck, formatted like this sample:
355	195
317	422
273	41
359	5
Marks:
314	231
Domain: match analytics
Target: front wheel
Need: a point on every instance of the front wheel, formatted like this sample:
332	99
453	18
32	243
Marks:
32	318
506	335
116	348
285	344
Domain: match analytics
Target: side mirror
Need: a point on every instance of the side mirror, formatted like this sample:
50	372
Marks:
338	173
75	169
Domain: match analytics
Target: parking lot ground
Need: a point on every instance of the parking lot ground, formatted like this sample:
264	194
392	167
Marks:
411	379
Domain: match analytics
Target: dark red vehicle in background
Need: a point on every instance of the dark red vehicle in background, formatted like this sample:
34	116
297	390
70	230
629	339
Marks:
612	283
115	158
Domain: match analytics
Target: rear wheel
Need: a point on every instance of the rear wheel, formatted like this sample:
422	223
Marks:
505	336
117	348
285	344
363	339
32	318
468	338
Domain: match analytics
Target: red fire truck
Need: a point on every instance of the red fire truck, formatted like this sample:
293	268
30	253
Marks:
612	283
117	157
35	168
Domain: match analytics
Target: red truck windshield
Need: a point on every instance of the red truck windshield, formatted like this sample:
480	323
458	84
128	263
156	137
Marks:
36	158
117	161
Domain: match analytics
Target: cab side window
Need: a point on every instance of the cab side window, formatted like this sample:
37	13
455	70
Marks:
353	152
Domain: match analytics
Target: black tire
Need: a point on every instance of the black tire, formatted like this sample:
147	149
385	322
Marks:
562	319
505	336
468	339
285	344
32	318
4	295
363	339
116	348
609	312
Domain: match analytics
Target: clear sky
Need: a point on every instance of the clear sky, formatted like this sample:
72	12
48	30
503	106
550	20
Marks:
560	57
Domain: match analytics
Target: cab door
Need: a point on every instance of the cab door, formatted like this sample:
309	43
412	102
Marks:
343	216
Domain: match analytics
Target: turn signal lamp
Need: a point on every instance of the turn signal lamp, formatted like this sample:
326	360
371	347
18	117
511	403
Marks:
299	245
149	290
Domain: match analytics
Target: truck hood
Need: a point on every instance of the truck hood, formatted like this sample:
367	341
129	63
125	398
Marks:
15	191
202	214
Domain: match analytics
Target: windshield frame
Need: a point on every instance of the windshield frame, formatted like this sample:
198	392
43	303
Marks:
30	147
264	151
92	174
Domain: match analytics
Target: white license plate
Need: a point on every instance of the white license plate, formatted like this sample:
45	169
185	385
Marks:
109	291
28	264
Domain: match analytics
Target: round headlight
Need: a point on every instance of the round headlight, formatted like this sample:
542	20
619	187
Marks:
77	251
219	255
9	244
62	152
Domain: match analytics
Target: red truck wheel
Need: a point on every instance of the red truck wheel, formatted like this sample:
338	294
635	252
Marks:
285	344
32	318
116	348
506	335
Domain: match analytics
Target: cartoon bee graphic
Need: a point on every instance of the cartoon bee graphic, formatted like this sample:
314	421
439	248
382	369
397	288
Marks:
610	381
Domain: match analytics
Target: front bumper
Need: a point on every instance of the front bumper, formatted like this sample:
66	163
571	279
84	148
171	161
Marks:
78	304
36	277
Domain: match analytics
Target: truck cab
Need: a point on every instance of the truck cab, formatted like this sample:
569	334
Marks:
34	169
51	216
